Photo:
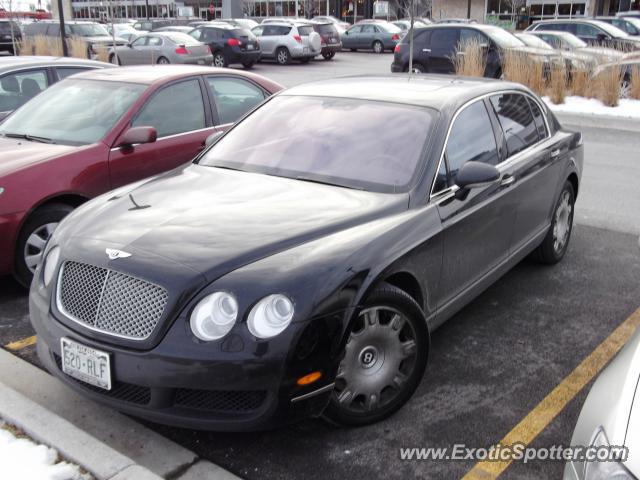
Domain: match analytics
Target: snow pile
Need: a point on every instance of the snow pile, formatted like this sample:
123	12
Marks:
22	459
590	106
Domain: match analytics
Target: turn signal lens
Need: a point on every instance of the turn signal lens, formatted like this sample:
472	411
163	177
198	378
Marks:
214	316
310	378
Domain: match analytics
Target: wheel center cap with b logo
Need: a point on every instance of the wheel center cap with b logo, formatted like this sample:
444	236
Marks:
368	357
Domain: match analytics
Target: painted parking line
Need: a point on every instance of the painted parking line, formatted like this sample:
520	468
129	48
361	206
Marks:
542	415
20	344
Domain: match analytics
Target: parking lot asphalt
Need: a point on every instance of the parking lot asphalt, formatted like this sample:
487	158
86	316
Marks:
490	364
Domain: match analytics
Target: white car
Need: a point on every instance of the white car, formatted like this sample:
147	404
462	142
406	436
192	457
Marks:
610	416
286	41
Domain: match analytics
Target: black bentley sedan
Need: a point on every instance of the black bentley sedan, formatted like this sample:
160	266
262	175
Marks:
286	273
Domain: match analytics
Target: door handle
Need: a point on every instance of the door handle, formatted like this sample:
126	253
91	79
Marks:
507	181
460	54
555	153
426	49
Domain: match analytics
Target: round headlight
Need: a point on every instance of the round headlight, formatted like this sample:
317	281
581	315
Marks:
50	264
214	316
270	316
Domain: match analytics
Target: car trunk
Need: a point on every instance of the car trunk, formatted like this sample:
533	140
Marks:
310	38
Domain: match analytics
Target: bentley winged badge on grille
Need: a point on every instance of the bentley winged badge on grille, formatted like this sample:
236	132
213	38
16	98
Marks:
112	253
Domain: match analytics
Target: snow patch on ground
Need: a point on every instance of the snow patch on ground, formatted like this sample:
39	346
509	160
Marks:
590	106
22	459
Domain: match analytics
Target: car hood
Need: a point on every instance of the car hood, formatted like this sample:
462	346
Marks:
602	52
541	52
215	221
16	154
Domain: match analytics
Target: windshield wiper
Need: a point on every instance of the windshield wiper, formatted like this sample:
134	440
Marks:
302	178
31	138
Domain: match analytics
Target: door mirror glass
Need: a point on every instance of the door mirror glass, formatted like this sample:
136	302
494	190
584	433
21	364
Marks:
476	174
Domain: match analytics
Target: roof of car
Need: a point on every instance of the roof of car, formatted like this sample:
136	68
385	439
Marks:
435	91
149	74
571	20
11	62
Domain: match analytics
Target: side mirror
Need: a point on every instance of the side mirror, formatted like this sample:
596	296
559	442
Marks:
601	37
213	138
476	174
129	45
136	136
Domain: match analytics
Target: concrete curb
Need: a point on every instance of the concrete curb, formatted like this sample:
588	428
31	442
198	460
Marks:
599	121
108	444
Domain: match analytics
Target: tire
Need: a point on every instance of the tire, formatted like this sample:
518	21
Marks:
384	359
33	236
417	68
163	61
114	59
353	49
328	55
219	60
555	243
378	47
248	65
283	57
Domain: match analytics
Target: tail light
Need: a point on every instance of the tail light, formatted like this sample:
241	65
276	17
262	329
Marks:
181	50
395	37
234	42
297	38
396	49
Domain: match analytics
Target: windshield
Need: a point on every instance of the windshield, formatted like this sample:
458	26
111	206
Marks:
390	27
5	27
88	30
573	41
354	143
73	112
503	38
611	30
533	41
180	38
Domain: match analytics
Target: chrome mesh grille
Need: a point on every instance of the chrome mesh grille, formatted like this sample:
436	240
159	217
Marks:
110	301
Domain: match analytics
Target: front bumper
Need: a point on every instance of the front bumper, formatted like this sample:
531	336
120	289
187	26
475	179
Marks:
227	386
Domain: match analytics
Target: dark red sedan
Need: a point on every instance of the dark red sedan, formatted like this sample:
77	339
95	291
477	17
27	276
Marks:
98	130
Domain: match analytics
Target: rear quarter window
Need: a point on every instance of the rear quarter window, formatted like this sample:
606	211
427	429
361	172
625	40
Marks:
305	31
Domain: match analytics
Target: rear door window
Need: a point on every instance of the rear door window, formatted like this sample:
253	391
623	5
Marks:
444	40
516	120
471	139
233	97
18	88
538	119
305	31
177	108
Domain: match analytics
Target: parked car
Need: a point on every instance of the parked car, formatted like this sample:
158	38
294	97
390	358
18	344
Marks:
456	20
124	30
229	44
149	25
341	26
176	28
94	34
629	13
8	39
436	45
625	68
329	38
405	25
96	131
593	32
286	41
162	48
287	273
568	42
23	77
245	23
630	25
377	36
610	416
573	61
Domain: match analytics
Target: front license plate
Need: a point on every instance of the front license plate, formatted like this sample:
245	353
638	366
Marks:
249	47
86	364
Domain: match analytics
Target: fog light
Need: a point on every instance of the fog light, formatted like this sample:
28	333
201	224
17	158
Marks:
310	378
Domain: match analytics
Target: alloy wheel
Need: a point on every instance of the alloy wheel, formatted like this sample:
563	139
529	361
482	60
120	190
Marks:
218	60
380	356
378	47
34	246
283	57
562	223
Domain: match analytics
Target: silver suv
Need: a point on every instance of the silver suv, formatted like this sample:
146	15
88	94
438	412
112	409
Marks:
284	41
